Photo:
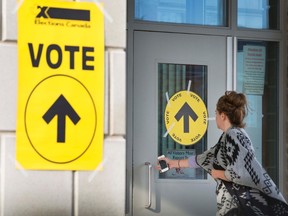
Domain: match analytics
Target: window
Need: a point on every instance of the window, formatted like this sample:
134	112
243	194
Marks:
257	77
198	12
258	14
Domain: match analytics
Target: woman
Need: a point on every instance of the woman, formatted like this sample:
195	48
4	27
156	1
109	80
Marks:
243	186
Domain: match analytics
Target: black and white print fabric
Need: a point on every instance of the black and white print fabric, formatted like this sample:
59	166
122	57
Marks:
250	190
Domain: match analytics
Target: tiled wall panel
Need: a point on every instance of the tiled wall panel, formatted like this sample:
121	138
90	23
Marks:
102	193
32	193
9	20
106	94
117	92
8	86
60	192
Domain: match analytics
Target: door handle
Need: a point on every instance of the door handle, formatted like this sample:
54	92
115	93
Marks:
149	184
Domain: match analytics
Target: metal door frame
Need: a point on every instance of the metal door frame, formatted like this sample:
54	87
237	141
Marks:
232	33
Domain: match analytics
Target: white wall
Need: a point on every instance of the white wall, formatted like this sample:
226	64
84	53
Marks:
30	193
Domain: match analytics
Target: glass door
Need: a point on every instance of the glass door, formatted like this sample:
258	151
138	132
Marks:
180	125
177	80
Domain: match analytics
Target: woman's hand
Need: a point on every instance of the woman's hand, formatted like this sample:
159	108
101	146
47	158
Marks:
171	163
218	174
176	164
165	159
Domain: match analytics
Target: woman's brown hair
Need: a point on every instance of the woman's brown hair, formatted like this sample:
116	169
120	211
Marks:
234	106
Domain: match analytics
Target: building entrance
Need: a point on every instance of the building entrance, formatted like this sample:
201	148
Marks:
172	73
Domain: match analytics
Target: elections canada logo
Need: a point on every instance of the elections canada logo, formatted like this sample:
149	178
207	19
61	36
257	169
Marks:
54	16
186	118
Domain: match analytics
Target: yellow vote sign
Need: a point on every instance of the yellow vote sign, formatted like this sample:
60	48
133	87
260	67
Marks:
60	85
186	117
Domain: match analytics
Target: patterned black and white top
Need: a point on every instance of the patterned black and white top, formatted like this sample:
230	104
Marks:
250	190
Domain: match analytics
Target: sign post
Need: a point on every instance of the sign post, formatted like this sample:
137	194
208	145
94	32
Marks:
60	85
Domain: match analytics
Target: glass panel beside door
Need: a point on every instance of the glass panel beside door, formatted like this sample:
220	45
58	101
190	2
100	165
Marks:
258	78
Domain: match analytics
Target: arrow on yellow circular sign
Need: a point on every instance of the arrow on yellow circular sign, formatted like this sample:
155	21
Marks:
67	127
186	118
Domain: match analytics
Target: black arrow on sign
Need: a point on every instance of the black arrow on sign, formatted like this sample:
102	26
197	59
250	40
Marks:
185	112
62	108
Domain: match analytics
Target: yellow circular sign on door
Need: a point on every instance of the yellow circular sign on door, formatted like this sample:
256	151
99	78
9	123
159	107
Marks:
186	117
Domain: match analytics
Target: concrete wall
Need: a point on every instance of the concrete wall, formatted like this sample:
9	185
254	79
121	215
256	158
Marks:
30	193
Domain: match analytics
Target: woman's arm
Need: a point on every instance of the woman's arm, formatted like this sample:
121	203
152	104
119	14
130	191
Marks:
182	163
